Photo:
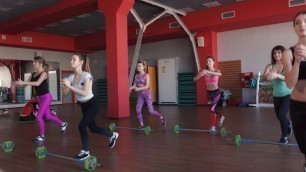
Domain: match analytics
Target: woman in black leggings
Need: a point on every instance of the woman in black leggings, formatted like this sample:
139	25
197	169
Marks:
294	61
81	84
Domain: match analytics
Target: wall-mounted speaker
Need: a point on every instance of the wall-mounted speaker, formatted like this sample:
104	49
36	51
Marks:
200	41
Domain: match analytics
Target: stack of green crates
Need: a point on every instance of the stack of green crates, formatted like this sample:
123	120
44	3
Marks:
102	91
186	89
20	95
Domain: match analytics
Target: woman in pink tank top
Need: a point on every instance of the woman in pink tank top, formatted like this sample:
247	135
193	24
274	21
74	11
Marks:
211	76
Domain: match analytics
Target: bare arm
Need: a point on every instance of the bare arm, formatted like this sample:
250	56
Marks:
134	84
291	71
216	72
266	72
42	77
65	89
202	73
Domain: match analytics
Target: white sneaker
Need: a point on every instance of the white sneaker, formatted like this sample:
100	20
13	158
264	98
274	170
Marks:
112	140
212	129
221	120
83	155
63	128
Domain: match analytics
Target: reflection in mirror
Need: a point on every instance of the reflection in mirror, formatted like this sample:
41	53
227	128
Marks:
5	82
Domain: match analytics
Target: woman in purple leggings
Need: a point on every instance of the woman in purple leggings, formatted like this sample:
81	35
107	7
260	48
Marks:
141	85
39	80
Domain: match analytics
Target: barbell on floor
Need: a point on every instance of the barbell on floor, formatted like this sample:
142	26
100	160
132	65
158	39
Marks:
7	146
147	130
238	140
223	130
89	164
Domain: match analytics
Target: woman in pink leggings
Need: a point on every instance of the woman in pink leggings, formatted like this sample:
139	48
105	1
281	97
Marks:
39	80
141	85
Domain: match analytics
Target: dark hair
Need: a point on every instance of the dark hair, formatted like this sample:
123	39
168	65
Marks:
209	57
300	13
85	59
143	63
42	61
276	48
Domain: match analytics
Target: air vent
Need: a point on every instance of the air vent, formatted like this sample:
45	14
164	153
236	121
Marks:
229	14
293	3
26	39
174	25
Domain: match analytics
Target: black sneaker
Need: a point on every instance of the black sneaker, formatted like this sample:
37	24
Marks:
83	155
289	131
63	128
283	140
112	140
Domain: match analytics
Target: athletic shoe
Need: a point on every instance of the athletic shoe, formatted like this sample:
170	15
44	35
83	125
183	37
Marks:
212	129
289	131
83	155
112	140
283	140
163	121
221	120
63	128
39	139
140	126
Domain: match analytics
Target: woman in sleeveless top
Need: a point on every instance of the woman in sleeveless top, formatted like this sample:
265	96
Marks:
141	85
294	61
281	94
211	76
39	80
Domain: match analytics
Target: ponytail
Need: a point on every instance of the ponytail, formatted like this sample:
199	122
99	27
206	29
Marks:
46	68
85	59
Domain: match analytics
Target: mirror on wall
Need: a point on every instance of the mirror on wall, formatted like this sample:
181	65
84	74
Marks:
11	70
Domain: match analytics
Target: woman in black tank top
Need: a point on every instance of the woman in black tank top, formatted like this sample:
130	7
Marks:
39	80
294	61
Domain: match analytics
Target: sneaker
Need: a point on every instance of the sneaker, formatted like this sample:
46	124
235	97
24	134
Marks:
63	128
39	139
212	129
83	155
163	121
289	131
4	110
283	140
221	120
112	140
140	126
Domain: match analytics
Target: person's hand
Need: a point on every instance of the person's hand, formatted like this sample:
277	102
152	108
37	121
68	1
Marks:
132	88
272	75
136	89
66	82
19	82
300	53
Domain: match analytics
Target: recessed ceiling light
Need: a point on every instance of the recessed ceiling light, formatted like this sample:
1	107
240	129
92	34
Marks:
84	15
187	10
75	34
52	24
89	31
212	4
67	20
3	9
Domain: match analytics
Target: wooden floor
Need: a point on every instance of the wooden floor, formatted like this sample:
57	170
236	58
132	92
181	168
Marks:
162	151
